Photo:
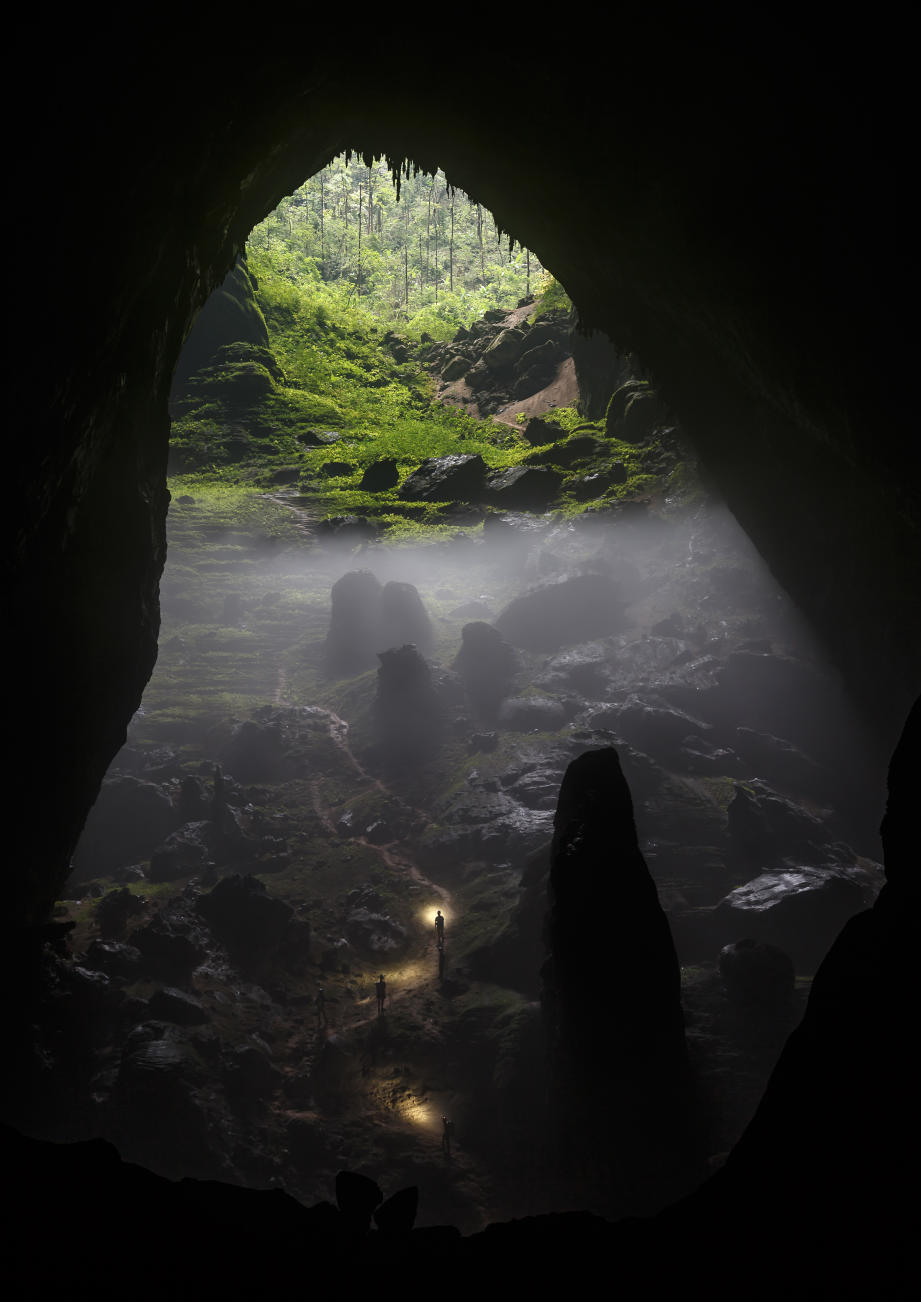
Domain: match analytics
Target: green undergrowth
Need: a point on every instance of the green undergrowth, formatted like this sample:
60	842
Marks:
344	396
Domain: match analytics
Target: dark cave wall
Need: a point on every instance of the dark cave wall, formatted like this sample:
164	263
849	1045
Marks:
694	190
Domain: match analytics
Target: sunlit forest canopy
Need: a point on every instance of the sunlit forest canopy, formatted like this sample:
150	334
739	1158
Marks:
428	259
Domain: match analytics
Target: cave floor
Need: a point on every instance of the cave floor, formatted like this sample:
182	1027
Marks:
330	828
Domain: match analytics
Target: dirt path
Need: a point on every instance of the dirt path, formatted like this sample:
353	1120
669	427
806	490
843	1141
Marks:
416	973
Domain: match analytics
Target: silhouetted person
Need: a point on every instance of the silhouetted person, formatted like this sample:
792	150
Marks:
439	929
447	1134
320	1005
381	988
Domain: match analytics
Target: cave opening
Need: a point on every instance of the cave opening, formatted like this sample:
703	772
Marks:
295	802
764	286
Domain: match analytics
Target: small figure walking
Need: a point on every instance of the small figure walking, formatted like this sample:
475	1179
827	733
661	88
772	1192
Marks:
439	929
381	988
320	1005
447	1134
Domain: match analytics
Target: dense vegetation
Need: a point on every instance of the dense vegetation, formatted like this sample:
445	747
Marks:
428	258
356	286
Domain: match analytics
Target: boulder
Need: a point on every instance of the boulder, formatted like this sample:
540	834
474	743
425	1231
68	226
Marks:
377	932
487	665
536	367
525	487
572	610
457	477
176	1006
255	749
403	618
352	640
457	366
336	469
114	958
408	716
527	713
129	818
317	438
182	853
349	529
582	669
249	1074
801	908
654	726
538	432
580	448
380	476
170	945
244	917
505	349
113	912
766	827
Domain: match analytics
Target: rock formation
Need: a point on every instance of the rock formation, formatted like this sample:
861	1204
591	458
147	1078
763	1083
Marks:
612	995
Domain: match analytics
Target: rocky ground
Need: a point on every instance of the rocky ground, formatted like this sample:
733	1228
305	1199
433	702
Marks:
291	808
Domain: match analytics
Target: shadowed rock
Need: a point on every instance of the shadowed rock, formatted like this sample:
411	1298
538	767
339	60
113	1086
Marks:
408	715
244	916
487	666
352	640
612	992
524	486
757	976
801	908
455	478
398	1214
380	476
367	619
559	614
403	618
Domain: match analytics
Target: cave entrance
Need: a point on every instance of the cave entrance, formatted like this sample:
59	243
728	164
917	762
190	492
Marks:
313	801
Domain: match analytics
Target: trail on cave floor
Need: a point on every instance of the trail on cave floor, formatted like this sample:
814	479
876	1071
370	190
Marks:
419	1117
409	977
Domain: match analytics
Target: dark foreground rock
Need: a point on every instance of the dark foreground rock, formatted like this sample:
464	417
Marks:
612	994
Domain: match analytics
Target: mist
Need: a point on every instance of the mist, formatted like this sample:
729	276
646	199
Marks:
340	741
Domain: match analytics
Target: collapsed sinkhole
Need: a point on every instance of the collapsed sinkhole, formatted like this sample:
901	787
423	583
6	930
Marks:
348	731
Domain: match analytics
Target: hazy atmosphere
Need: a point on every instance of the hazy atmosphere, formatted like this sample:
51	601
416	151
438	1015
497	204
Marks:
429	544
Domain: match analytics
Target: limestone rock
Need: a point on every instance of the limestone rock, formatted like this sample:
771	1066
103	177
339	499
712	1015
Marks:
380	476
403	618
242	914
351	643
538	431
487	666
800	907
505	349
457	477
572	610
524	486
525	713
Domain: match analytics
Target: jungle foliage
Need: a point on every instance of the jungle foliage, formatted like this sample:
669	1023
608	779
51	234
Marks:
427	261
